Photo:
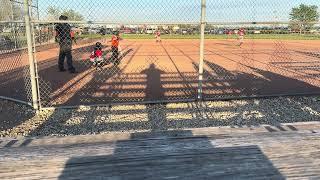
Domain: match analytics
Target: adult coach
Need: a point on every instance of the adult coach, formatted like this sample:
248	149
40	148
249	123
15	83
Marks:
63	37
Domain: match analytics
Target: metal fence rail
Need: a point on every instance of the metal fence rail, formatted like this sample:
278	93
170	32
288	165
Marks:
157	51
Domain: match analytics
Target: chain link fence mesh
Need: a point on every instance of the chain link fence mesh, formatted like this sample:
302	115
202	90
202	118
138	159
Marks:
15	77
130	64
149	51
261	48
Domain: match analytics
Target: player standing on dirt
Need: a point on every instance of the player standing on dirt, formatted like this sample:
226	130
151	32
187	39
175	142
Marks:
229	33
63	37
115	39
241	34
158	36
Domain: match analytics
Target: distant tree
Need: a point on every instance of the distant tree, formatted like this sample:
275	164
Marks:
304	17
73	15
54	13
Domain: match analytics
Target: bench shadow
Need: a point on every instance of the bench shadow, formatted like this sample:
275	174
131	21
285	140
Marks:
172	155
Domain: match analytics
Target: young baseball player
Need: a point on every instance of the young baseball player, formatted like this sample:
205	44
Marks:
115	39
96	56
157	36
241	34
229	33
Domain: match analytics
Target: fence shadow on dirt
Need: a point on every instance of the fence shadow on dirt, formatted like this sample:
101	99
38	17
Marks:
112	85
310	65
158	117
151	83
50	79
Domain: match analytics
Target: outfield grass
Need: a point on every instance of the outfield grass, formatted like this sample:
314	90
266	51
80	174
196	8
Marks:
211	36
284	36
207	36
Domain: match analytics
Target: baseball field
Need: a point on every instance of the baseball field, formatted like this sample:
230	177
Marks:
168	71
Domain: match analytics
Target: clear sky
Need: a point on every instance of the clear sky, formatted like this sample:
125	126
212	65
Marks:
177	10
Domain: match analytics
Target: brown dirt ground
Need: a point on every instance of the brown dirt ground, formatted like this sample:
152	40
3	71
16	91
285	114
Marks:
151	71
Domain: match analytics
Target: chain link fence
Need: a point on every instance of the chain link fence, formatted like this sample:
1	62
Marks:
15	76
110	52
131	64
261	48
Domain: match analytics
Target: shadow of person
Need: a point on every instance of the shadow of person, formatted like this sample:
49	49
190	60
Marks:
154	89
172	155
155	92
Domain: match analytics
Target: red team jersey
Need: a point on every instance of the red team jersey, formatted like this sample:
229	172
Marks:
95	54
158	33
241	32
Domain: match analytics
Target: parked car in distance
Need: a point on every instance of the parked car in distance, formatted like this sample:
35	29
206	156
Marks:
150	31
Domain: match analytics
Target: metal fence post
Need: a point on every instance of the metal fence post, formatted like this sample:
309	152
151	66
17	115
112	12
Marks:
203	25
13	25
30	56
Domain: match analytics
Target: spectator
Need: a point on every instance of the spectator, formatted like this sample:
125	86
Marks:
63	37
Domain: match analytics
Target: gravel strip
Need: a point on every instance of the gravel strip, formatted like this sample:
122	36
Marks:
19	120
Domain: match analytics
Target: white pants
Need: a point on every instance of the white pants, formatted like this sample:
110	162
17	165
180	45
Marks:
241	39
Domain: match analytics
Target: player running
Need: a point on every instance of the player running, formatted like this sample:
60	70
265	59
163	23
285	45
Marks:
241	34
157	36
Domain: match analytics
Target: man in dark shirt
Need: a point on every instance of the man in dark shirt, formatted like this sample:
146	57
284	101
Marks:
63	37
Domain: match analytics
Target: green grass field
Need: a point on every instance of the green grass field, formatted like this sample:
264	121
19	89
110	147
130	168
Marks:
21	39
207	36
211	36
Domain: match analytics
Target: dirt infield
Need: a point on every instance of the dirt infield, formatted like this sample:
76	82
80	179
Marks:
151	71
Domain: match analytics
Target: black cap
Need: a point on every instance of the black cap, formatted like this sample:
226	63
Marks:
98	44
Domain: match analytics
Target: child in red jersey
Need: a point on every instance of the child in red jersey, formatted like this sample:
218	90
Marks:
241	34
157	36
96	56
